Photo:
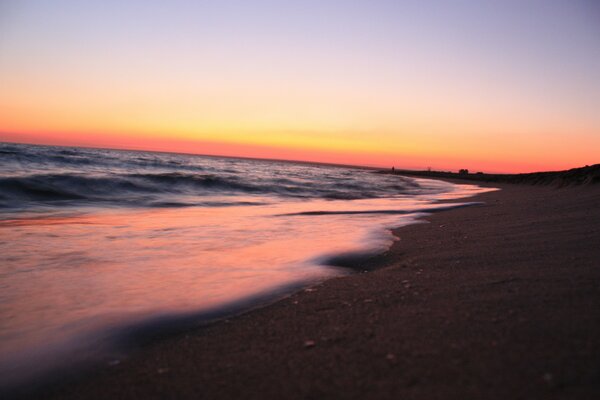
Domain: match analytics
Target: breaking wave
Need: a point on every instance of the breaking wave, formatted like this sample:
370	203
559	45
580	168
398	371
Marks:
33	176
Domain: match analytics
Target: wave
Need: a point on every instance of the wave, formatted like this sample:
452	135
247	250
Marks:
65	177
158	189
147	188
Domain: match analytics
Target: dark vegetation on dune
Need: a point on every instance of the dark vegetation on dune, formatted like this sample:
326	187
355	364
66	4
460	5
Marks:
576	176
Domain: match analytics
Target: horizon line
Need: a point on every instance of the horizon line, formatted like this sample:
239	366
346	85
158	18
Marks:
291	161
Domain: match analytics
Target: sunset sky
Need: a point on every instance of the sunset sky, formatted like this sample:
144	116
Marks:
498	86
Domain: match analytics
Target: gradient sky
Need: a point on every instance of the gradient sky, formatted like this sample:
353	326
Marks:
507	86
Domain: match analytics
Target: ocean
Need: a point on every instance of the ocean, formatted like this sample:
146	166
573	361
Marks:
100	247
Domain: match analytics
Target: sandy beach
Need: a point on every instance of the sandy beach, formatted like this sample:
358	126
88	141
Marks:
495	301
300	200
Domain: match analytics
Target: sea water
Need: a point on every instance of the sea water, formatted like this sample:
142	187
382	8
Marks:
99	244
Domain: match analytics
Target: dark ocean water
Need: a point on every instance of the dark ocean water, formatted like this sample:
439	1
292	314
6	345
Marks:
55	177
99	244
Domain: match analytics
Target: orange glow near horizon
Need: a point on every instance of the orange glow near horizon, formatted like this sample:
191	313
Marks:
380	158
420	88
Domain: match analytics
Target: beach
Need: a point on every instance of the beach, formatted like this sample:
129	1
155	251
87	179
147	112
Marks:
499	300
300	200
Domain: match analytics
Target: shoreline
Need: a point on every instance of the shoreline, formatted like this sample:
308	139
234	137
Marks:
373	334
109	344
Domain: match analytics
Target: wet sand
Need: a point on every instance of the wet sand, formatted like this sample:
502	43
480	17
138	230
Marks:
496	301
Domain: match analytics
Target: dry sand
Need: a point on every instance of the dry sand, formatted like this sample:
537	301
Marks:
498	301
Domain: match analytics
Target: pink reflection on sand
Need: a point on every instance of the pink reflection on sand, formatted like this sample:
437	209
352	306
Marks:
65	274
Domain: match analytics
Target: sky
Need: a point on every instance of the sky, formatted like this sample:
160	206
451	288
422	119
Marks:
494	86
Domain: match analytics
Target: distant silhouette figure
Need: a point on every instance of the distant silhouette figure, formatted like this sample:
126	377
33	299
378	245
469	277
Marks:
393	169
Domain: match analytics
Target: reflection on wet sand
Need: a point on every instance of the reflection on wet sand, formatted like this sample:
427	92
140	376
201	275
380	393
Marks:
66	273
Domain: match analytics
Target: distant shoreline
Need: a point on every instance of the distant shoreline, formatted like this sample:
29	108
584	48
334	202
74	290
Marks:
576	176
